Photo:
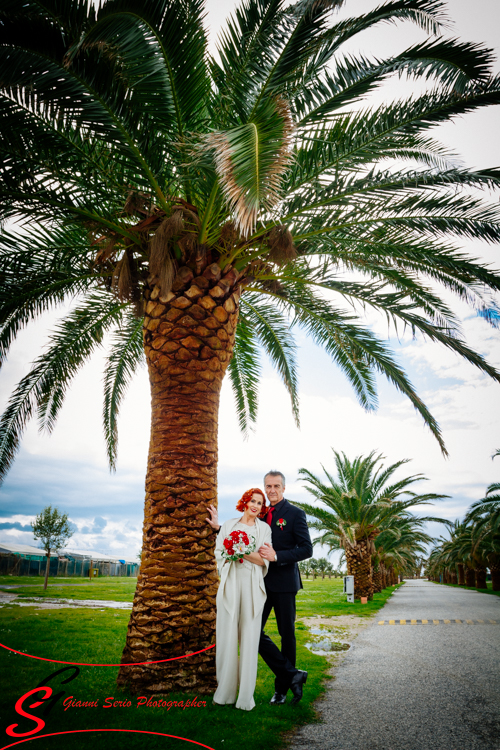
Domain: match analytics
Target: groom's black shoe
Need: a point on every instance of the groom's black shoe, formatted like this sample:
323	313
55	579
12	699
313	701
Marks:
278	699
297	684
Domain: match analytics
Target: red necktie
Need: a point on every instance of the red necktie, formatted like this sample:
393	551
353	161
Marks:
269	516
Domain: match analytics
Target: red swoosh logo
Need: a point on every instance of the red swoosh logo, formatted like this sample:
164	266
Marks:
84	664
78	731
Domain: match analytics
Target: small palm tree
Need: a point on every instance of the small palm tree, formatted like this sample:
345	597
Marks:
360	505
313	565
197	209
323	566
305	568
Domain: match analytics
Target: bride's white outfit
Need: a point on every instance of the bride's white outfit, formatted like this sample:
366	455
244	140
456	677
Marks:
240	601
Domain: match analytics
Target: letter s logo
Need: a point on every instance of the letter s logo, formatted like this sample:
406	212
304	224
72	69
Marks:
18	707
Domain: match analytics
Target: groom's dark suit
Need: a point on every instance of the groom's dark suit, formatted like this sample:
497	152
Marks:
292	543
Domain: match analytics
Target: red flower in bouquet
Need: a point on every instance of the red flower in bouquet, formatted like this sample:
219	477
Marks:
236	545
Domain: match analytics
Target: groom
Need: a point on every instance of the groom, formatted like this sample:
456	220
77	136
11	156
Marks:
290	543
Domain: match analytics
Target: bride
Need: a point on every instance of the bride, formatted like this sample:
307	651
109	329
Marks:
240	601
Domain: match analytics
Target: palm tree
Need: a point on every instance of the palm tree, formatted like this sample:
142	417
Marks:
474	544
360	505
196	209
485	517
447	556
400	542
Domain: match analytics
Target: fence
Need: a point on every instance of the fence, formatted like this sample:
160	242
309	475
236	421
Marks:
19	566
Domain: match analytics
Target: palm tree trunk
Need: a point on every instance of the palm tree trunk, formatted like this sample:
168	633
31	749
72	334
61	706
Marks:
453	576
377	580
480	573
469	577
495	577
188	340
461	574
384	575
358	559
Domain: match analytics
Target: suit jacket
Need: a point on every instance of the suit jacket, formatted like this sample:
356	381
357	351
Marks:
292	543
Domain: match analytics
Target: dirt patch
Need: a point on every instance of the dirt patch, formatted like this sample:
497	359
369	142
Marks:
340	629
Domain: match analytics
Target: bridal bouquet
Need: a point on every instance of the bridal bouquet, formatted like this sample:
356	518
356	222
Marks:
236	545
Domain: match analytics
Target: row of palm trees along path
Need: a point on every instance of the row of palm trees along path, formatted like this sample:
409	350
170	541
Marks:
473	545
197	210
423	674
367	514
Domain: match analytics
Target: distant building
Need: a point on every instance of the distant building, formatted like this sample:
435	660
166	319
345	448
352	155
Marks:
24	559
26	551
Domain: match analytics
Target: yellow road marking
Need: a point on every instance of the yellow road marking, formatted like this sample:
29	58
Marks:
436	622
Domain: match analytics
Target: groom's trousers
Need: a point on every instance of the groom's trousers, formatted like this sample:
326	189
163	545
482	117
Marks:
280	662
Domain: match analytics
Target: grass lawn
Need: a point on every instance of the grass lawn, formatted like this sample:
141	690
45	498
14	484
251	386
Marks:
488	590
86	635
105	587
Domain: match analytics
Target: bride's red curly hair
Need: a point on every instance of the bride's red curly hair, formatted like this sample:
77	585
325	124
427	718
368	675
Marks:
247	496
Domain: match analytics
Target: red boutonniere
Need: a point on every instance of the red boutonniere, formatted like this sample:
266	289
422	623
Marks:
281	522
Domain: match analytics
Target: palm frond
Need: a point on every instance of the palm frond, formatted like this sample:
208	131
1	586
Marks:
272	330
126	354
45	386
244	373
251	160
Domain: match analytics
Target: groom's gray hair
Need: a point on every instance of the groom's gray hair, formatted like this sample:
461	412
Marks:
275	474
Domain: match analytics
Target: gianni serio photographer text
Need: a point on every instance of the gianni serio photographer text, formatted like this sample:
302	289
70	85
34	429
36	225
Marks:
43	698
152	702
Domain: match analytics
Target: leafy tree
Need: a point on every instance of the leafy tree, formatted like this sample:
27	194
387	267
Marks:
358	506
53	530
330	570
322	566
198	210
305	568
313	565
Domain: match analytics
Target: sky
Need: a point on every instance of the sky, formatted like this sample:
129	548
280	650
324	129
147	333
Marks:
68	467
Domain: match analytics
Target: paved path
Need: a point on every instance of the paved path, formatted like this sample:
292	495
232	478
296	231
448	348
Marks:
420	686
